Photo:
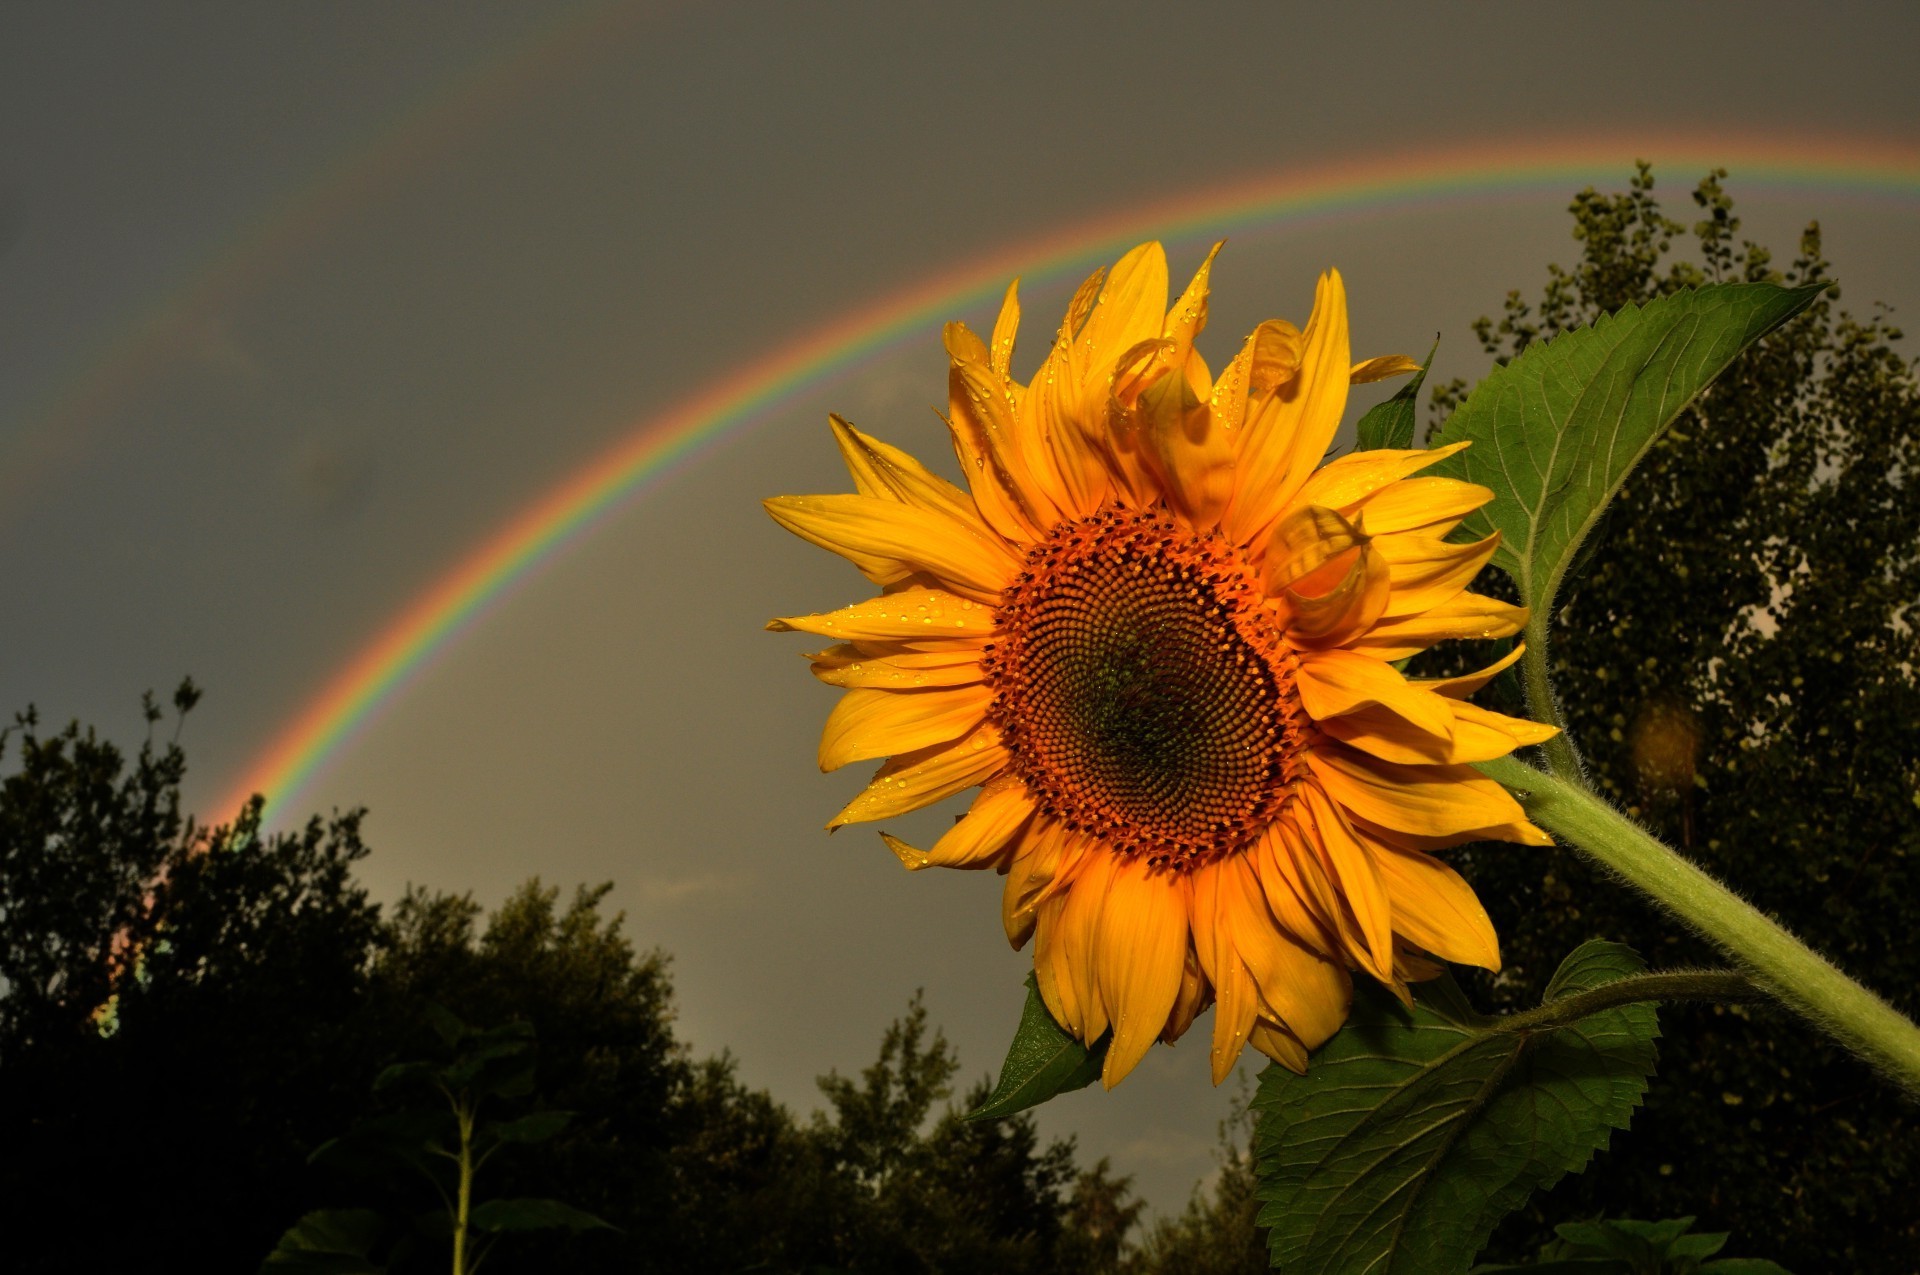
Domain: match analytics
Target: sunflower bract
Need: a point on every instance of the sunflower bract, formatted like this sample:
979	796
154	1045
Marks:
1157	633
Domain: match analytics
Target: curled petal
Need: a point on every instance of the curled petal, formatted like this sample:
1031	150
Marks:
1465	615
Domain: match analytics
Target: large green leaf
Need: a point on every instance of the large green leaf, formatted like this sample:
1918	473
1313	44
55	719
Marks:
1415	1131
327	1242
1556	431
1043	1060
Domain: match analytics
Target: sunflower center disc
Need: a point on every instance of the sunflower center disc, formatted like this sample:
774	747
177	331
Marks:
1142	689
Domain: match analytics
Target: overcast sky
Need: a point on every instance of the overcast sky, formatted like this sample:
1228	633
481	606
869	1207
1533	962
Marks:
297	304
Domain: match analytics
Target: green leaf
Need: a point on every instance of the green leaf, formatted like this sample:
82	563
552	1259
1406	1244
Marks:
1415	1131
401	1073
534	1215
446	1024
327	1242
1556	431
1390	424
1044	1060
536	1126
1743	1266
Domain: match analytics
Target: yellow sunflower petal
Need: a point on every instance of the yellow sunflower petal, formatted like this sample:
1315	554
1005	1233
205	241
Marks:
888	473
1429	801
1297	985
1338	601
1360	884
922	540
1079	920
1381	368
1053	971
920	615
1466	615
997	818
1278	1044
983	418
1344	482
1193	456
1195	995
1044	864
1433	506
1140	952
1236	1005
1427	571
1466	684
1478	735
1434	907
1005	327
912	780
1336	682
898	669
1289	432
880	723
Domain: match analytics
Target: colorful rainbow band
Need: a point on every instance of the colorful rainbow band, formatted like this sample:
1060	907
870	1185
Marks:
658	444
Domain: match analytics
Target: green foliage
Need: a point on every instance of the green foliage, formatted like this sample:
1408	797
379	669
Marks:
1417	1129
1043	1061
1626	1247
172	1129
328	1242
1556	431
1738	667
1391	424
444	1138
1219	1231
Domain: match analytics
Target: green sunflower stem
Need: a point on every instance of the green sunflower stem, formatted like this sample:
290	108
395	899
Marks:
1774	959
1544	706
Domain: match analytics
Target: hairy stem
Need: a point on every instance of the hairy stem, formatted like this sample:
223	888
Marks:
1721	986
1775	960
1544	706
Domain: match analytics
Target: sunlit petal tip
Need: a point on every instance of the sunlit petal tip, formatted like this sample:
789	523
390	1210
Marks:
910	858
1381	368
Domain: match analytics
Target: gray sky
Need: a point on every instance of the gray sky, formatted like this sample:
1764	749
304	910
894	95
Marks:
297	305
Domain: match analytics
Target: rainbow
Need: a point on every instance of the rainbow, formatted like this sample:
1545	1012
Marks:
658	444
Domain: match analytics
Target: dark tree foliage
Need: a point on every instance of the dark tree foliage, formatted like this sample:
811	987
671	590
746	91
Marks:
1219	1232
1738	663
186	1014
175	1008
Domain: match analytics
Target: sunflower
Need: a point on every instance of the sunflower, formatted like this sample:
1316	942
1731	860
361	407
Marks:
1160	636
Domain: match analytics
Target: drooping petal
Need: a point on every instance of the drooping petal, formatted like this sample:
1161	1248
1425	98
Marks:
1140	949
1079	919
914	614
912	780
997	819
1478	735
1335	682
881	723
1278	1044
1434	907
1297	985
1044	863
919	540
1428	801
1359	882
1195	995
